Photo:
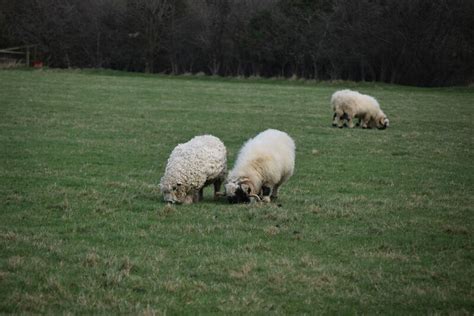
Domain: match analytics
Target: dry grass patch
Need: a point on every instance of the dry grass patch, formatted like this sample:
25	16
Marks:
323	281
309	262
244	271
3	275
28	302
456	230
91	259
15	262
166	211
272	230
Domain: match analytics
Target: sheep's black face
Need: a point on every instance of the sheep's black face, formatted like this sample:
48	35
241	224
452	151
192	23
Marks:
383	123
239	197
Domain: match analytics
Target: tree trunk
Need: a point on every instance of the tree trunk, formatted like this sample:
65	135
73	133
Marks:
362	70
98	61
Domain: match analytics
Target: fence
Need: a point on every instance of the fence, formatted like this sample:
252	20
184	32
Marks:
20	55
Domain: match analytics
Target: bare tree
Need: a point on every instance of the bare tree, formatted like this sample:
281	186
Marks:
406	41
147	19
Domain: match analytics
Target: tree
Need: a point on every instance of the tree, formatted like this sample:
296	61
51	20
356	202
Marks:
407	41
146	22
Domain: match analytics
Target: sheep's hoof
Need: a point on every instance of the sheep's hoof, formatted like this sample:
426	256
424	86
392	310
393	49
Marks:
190	200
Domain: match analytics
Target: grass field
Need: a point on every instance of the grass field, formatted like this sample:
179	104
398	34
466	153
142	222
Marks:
371	222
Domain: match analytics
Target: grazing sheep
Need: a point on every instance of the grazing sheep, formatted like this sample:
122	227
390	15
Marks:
348	104
264	163
192	166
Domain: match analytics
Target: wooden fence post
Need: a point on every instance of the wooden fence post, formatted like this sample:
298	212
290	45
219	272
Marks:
27	56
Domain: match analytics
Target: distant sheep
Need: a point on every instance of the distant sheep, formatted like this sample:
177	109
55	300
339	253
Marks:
348	104
192	166
264	163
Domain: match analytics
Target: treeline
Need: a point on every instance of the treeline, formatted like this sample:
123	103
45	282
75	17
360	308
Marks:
418	42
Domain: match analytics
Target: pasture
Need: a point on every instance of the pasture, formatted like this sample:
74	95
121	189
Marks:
371	222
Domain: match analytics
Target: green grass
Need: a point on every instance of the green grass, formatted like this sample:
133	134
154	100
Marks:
371	222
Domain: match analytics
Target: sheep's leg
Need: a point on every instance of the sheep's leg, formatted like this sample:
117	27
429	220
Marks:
274	195
365	121
201	194
190	198
334	119
277	187
340	122
350	122
266	192
349	115
339	119
217	188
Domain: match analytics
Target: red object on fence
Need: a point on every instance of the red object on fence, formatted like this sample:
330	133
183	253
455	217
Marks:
37	64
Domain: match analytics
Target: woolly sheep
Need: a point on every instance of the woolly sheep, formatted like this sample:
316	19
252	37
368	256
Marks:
191	167
348	104
264	163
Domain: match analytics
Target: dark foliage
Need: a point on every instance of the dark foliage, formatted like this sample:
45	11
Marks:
415	42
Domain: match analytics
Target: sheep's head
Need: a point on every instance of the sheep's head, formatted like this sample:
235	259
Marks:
174	193
240	192
382	122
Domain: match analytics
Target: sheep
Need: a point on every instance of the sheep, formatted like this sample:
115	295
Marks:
264	163
348	104
191	167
